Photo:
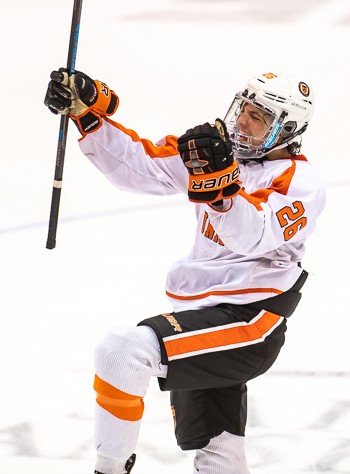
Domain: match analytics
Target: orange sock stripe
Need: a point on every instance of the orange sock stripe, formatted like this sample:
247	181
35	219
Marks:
120	404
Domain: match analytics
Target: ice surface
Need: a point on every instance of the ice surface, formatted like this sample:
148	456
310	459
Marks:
174	64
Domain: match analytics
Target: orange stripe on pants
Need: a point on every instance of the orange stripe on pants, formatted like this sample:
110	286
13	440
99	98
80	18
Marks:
120	404
240	335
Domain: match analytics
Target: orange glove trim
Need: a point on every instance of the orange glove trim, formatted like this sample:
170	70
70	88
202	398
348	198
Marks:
214	181
107	100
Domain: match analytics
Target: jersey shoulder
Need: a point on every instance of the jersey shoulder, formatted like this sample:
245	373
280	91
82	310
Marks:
306	175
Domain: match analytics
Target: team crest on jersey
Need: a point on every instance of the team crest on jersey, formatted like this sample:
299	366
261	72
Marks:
170	318
209	232
304	89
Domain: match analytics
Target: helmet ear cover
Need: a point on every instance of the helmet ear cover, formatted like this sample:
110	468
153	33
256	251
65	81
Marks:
288	129
288	135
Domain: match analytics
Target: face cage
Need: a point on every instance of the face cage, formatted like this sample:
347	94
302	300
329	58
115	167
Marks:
242	144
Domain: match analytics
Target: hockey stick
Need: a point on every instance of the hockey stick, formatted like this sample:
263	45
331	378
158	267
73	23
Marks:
62	137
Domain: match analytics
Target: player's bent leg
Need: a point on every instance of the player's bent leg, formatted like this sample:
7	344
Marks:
225	454
125	360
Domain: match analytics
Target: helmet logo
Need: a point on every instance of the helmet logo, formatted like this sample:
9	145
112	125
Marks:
304	89
269	75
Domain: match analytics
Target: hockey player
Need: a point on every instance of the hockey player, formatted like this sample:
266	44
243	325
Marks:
257	200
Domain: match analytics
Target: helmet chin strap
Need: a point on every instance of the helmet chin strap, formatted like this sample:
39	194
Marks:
264	155
277	147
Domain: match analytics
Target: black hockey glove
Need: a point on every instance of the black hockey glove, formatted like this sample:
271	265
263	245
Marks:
207	153
85	100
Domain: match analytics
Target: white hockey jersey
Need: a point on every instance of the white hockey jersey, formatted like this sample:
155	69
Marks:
246	252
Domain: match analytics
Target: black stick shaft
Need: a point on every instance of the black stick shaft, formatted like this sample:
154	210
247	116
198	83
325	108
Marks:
62	137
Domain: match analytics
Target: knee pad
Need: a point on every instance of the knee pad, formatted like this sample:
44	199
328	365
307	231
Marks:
127	343
125	359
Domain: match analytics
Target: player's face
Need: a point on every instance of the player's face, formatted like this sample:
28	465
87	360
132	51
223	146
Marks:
254	122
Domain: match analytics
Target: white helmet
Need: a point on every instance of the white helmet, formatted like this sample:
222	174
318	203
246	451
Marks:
287	106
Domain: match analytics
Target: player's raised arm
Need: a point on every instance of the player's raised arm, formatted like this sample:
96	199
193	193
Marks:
131	163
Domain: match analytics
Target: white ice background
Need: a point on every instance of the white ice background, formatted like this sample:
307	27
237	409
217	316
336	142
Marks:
175	64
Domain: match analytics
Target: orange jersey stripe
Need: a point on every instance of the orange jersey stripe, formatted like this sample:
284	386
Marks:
120	404
224	292
154	151
279	185
299	158
226	337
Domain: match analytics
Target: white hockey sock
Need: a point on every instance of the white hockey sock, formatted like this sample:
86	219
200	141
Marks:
125	359
109	466
224	454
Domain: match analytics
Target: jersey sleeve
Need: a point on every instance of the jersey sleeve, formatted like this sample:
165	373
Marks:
135	164
283	213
